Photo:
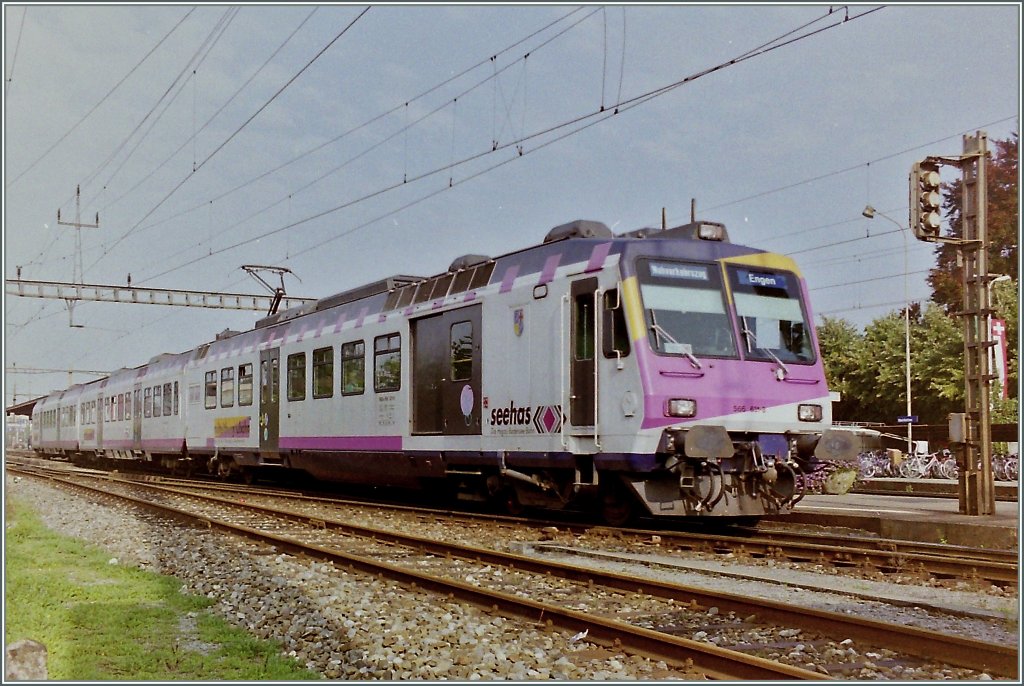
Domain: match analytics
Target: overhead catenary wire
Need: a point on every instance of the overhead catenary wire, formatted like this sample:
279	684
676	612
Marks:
620	98
407	126
240	128
592	117
227	102
14	59
165	100
39	314
98	104
381	116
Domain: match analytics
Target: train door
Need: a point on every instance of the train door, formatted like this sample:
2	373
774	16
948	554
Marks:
270	399
446	373
582	353
137	418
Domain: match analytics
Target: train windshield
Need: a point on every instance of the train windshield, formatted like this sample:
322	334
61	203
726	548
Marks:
771	317
685	309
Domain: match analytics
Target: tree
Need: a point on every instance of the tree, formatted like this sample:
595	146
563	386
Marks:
1003	216
869	369
842	354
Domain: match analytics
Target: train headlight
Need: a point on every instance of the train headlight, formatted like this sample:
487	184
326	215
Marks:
681	407
711	232
809	413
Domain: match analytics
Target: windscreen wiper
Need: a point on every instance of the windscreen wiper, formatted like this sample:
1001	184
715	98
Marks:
660	332
783	371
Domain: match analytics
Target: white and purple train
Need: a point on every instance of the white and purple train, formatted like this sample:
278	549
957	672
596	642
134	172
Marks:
661	372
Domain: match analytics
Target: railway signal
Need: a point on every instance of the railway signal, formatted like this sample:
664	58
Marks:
925	200
973	426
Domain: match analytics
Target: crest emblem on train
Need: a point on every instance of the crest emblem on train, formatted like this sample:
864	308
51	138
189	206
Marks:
548	419
519	321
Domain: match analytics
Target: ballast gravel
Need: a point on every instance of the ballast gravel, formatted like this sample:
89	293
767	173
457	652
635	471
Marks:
353	626
340	624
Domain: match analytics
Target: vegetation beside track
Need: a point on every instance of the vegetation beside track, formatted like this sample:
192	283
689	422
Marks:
103	621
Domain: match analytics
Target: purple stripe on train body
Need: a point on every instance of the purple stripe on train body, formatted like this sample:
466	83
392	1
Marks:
470	296
341	320
597	257
723	386
547	274
509	278
362	315
364	443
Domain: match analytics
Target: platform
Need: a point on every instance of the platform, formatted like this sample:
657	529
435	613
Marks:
939	488
912	518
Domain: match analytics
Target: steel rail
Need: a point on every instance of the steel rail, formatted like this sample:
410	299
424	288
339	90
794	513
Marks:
923	643
717	663
996	566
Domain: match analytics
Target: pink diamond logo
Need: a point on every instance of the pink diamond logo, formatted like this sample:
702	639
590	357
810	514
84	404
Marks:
547	419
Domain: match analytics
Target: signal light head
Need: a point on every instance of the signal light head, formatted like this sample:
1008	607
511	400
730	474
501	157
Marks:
925	200
930	179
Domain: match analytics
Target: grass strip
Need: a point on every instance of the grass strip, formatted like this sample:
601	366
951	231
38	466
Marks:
101	621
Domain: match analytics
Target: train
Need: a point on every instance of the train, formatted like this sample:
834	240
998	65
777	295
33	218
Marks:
663	372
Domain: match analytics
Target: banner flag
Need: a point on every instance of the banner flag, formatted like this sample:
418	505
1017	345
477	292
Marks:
999	353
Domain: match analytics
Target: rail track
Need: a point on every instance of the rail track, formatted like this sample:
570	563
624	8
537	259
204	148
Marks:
380	551
863	554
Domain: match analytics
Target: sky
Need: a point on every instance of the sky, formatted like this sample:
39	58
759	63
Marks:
350	144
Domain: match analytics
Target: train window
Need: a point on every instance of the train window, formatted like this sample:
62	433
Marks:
264	381
323	373
210	396
772	322
275	383
684	307
387	363
615	338
461	346
120	406
128	405
297	376
175	398
147	403
168	400
353	368
227	387
158	400
583	326
245	384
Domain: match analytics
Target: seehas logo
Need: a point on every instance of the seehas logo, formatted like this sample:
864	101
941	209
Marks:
511	415
545	419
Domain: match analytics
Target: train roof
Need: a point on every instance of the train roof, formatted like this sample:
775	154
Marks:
574	230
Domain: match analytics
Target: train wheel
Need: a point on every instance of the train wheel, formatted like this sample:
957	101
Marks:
616	506
510	502
223	469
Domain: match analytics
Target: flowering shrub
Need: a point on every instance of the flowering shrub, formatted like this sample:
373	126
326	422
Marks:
830	477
